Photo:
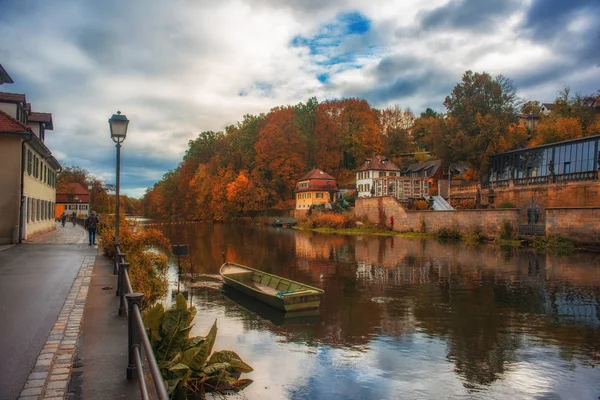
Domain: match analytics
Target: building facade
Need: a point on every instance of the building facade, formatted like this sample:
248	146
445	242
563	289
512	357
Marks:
28	173
315	188
375	167
73	198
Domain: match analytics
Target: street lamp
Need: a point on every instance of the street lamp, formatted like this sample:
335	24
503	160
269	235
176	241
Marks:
118	130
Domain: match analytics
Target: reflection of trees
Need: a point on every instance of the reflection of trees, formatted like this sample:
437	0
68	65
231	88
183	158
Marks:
486	304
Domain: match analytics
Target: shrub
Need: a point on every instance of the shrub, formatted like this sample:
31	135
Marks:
473	238
147	252
506	204
330	220
506	231
555	244
463	204
422	225
420	205
445	234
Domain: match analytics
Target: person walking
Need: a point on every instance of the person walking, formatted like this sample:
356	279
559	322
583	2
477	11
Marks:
90	224
63	218
74	218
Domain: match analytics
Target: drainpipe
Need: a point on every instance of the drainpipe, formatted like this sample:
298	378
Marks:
23	155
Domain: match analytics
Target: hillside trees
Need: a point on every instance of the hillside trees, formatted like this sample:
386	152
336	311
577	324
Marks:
482	107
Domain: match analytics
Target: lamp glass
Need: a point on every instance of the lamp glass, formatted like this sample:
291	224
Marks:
118	126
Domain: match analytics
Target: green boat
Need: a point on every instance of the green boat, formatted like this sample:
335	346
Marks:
281	293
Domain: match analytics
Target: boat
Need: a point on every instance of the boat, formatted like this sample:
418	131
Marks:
282	293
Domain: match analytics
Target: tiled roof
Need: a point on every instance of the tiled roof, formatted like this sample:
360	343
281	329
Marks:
71	191
426	169
12	97
316	174
317	180
378	163
10	125
548	106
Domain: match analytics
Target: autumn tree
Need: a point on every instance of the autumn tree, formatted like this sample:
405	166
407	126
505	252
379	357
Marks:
531	107
329	153
360	131
239	192
482	107
280	151
551	130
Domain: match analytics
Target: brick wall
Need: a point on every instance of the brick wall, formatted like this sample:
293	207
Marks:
489	222
567	194
580	224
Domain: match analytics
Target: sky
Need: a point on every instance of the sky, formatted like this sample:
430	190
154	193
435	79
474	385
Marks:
180	67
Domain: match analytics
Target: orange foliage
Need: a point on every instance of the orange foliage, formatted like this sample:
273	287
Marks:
331	220
552	130
471	175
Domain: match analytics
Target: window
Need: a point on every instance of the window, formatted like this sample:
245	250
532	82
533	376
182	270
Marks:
392	174
319	195
381	174
567	167
29	162
28	202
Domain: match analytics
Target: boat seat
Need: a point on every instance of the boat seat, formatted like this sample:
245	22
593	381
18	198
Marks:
274	282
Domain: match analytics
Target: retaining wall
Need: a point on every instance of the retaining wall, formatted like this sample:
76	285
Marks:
489	222
580	224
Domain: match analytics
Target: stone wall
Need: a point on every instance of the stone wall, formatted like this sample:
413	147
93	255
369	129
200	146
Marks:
380	210
580	224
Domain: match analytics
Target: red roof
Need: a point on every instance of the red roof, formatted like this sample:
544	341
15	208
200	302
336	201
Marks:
10	125
73	190
12	97
316	174
378	163
317	180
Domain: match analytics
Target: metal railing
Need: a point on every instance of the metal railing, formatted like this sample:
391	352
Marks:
130	306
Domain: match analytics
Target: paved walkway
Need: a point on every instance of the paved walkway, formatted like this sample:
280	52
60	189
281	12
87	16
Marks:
61	336
63	234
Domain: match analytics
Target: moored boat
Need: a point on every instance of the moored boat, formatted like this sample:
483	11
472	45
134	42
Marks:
282	293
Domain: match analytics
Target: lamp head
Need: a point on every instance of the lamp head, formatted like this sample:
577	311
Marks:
118	127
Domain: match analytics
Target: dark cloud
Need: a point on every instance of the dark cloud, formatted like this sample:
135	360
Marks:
400	77
547	19
468	14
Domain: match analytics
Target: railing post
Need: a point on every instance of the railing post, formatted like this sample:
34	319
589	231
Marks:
123	291
133	332
120	275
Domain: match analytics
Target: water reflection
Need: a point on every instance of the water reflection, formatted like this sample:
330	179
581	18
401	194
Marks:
403	318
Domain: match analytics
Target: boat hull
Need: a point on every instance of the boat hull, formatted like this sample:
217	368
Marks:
304	297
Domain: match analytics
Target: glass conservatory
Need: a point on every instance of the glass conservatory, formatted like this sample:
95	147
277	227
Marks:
571	160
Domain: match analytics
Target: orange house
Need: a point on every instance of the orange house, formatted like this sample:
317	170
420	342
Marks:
314	188
74	198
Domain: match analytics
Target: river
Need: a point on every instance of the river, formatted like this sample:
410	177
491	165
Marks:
401	318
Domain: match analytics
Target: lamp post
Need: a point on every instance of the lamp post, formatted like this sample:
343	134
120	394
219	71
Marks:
118	130
89	200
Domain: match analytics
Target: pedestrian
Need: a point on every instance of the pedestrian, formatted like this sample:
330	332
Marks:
90	224
63	218
73	217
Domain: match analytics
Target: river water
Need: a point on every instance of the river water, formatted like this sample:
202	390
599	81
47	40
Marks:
401	318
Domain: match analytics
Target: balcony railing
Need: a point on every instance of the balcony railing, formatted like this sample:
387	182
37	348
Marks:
542	180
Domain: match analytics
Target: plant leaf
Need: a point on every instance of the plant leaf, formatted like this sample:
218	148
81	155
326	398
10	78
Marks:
216	367
240	366
181	304
232	358
153	318
205	349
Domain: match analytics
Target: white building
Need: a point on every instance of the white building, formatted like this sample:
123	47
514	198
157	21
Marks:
376	167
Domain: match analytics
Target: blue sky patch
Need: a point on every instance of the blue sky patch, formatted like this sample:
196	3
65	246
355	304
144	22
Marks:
338	42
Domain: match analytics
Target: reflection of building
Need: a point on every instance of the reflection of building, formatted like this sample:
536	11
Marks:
29	170
74	198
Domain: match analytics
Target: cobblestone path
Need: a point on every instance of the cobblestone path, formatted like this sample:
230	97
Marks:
67	234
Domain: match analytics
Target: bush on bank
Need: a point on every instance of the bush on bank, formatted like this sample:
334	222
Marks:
147	251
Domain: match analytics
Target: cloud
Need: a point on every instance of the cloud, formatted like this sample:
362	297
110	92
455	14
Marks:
473	15
177	69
